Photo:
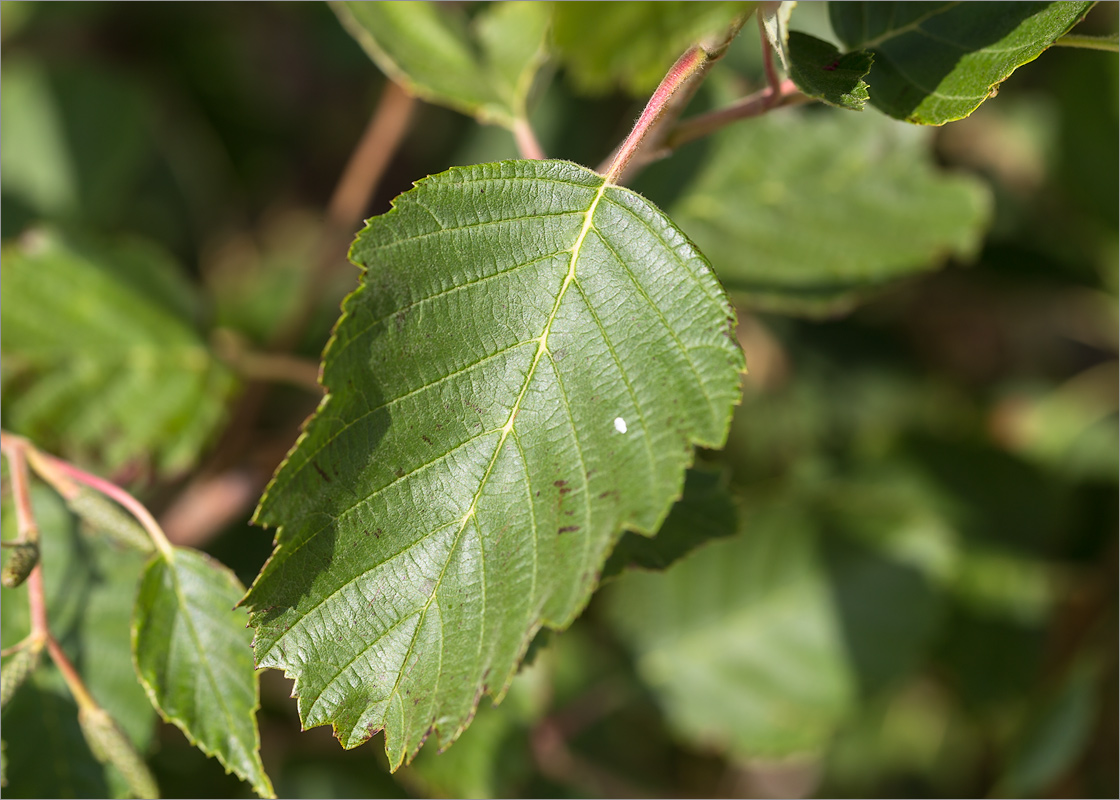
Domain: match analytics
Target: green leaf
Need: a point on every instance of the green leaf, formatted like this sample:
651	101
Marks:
1056	733
821	72
739	642
101	357
484	69
523	373
808	212
633	44
193	655
49	757
78	139
705	511
937	62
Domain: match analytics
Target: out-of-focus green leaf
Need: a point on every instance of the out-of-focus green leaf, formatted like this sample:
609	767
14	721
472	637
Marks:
484	69
1055	736
47	754
937	62
705	511
101	357
194	657
808	212
820	71
75	139
633	44
35	161
739	641
496	416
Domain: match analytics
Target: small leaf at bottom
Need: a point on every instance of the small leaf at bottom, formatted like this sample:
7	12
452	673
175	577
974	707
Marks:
193	655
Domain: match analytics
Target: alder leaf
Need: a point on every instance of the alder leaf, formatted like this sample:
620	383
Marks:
821	72
101	356
739	642
484	69
937	62
632	44
807	213
523	373
193	656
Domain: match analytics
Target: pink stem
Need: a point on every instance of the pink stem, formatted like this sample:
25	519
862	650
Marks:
680	72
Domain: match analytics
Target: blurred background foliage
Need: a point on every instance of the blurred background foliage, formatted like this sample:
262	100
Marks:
921	596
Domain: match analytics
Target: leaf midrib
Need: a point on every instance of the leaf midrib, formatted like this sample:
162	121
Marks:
506	429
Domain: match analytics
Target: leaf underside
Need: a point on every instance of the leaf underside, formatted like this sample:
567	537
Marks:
522	374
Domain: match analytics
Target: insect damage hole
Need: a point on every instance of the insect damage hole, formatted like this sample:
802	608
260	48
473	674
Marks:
620	424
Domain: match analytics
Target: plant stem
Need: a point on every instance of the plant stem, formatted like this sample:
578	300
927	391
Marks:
752	106
363	171
669	101
258	366
13	447
527	144
61	474
773	80
687	66
1111	42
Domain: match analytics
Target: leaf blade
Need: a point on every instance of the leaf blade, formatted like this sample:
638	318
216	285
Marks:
101	357
193	656
937	62
820	71
484	70
524	406
794	225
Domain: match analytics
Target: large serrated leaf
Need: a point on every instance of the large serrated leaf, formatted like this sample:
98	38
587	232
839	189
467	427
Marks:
806	213
523	373
937	62
193	657
484	69
101	357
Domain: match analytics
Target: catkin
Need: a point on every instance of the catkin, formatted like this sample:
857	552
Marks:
16	670
106	516
24	556
110	745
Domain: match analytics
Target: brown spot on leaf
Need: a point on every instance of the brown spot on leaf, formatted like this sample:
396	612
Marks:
319	469
568	529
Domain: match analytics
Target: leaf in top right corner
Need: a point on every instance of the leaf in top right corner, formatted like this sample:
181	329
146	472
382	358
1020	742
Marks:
937	62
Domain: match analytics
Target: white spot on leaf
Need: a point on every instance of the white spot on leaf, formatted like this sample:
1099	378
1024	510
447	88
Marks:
620	424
